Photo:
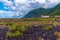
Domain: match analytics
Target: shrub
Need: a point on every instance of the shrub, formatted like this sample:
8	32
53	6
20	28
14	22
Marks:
47	27
8	23
16	34
16	30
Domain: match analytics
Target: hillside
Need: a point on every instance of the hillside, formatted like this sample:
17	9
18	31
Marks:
41	11
55	10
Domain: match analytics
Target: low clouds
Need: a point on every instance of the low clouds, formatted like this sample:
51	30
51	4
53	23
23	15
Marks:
5	14
19	8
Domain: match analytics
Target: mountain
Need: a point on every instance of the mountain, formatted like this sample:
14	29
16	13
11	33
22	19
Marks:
41	11
55	10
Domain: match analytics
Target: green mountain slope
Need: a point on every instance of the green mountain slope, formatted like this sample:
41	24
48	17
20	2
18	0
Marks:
55	10
41	11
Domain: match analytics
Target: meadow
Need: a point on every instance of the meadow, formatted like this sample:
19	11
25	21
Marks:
32	28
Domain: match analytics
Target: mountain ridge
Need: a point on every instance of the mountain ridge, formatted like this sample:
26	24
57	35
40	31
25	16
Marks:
41	11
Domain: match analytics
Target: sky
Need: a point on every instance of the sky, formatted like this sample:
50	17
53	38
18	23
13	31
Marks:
19	8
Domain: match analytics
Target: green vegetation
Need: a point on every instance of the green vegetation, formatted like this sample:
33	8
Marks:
36	13
55	10
8	23
16	30
48	27
41	11
40	19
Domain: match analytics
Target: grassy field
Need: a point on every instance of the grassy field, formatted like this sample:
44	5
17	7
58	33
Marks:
17	27
31	21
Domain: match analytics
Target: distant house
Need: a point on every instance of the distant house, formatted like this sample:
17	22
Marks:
45	16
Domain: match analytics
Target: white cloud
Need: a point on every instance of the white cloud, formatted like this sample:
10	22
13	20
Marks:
5	14
20	1
6	2
53	1
6	8
40	1
21	7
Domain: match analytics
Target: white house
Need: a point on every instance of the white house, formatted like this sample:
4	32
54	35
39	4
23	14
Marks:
45	16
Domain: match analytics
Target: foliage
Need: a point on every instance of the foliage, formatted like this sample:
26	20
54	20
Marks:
16	34
8	23
36	13
47	27
16	30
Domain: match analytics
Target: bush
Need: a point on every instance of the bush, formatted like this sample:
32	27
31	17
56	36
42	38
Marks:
48	28
16	34
16	30
8	23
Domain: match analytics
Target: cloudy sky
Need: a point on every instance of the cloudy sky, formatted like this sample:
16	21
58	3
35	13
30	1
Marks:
19	8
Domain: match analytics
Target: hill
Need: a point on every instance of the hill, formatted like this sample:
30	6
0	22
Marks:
41	11
55	10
